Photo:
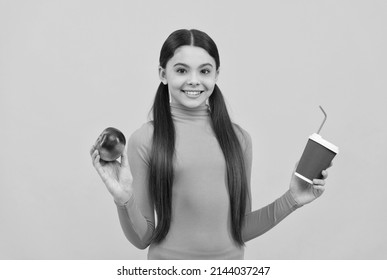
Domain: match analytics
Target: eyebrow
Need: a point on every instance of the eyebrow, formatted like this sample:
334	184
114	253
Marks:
200	66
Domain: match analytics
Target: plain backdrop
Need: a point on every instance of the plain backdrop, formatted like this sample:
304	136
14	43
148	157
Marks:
69	69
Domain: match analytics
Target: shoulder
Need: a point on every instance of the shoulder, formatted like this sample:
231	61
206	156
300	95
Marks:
243	136
140	141
142	135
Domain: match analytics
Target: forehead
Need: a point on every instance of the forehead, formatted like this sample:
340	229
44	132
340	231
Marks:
192	56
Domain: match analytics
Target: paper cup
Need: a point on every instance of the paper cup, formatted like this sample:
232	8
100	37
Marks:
316	157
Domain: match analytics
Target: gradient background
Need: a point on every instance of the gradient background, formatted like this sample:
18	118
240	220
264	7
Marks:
68	69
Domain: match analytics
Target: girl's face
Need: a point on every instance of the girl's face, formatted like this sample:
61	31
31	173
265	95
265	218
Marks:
191	76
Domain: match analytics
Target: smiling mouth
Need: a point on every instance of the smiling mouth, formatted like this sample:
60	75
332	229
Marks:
193	93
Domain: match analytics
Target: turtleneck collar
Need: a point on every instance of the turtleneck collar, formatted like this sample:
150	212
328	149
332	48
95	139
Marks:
179	110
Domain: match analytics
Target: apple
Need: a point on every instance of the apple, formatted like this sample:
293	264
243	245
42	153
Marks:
110	144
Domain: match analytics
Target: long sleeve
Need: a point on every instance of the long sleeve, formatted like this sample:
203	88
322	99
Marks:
137	215
260	221
137	228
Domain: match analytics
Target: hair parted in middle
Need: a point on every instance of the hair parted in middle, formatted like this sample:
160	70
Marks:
161	173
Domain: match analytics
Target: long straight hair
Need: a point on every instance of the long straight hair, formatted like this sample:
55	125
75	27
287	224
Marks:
161	173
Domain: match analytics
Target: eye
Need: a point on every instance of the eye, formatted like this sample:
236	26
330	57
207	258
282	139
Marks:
181	70
205	71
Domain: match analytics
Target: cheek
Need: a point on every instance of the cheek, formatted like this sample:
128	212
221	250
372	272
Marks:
209	83
176	83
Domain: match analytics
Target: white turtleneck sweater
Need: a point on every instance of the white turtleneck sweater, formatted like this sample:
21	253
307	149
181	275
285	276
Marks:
201	221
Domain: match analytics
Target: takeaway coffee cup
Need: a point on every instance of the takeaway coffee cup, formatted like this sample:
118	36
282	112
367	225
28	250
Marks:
316	157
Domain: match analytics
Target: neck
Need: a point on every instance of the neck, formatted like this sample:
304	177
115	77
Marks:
179	110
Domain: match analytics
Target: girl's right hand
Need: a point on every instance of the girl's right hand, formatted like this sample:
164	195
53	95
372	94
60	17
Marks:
115	175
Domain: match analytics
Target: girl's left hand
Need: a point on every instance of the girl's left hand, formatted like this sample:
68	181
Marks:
304	192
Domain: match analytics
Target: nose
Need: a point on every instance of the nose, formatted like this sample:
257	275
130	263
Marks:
193	79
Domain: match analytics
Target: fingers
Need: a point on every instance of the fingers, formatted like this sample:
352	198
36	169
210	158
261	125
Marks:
92	149
318	182
97	164
318	187
93	153
318	190
95	158
99	139
324	174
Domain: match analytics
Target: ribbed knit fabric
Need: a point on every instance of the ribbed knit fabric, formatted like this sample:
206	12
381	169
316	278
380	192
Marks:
201	222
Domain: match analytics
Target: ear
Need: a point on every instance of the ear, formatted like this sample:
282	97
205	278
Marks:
163	75
216	75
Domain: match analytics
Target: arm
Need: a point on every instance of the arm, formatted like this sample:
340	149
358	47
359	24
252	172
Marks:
137	215
130	194
299	194
137	228
260	221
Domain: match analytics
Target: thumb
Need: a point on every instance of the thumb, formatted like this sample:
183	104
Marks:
124	157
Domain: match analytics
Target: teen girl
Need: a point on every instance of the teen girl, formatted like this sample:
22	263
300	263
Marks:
190	195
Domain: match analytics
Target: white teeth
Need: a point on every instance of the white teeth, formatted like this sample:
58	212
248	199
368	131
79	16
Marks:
193	93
